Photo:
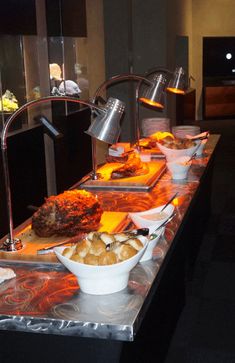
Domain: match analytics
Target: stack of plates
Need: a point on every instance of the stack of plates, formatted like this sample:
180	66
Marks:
183	130
151	125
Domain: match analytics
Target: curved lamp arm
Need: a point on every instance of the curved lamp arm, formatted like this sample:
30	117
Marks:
11	243
118	78
36	102
96	97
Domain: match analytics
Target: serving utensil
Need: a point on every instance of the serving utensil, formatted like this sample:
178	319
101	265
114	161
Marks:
206	136
169	202
132	232
153	234
192	157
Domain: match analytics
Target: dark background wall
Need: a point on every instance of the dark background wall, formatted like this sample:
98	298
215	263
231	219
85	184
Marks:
135	41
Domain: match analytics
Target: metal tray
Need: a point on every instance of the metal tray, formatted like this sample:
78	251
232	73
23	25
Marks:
135	183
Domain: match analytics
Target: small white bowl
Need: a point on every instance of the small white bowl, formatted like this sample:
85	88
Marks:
179	168
147	218
148	254
102	280
172	154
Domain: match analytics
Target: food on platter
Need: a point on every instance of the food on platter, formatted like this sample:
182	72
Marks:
117	159
176	143
67	214
161	135
118	153
133	167
147	143
102	248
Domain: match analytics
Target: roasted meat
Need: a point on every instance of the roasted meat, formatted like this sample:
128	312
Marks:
133	167
67	214
117	159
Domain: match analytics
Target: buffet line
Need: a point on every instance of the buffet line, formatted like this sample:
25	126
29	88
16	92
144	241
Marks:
90	255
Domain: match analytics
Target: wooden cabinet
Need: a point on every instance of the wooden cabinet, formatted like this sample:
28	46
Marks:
218	101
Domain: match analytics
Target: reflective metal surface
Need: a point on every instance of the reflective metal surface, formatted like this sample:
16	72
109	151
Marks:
46	298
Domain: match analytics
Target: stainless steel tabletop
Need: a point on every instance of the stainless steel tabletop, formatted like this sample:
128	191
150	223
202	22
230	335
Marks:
46	298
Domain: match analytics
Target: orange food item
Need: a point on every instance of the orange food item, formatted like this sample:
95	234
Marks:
133	167
159	135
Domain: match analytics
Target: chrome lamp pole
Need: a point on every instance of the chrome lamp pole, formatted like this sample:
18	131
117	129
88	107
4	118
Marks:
108	116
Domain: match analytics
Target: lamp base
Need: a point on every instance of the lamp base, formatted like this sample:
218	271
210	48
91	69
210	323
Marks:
11	245
96	176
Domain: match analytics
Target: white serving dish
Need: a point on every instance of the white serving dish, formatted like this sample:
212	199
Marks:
144	220
179	168
172	154
101	280
148	254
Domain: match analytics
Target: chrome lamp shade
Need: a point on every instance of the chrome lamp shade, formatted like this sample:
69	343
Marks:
154	93
106	126
177	83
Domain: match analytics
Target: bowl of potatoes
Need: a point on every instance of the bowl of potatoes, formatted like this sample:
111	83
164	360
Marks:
102	261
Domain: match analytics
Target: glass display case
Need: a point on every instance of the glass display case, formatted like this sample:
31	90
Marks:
50	58
12	80
45	50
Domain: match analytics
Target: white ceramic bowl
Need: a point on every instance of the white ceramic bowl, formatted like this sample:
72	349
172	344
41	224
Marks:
179	168
148	254
147	218
101	280
172	154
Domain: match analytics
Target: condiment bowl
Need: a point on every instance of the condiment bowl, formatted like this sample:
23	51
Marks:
150	218
179	167
101	280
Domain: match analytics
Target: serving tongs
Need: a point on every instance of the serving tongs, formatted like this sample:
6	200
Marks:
192	157
153	234
169	202
145	231
131	232
203	136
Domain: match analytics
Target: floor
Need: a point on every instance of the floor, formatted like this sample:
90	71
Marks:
205	332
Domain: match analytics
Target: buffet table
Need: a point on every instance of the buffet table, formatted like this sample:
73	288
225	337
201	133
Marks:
44	298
